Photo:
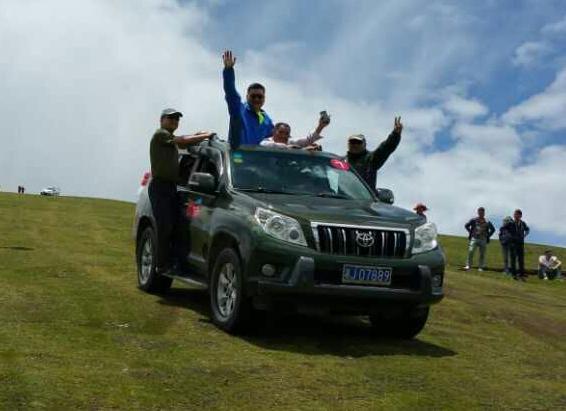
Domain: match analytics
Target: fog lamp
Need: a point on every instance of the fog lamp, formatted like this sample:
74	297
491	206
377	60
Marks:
437	281
268	270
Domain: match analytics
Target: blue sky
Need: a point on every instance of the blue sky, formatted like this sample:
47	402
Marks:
481	87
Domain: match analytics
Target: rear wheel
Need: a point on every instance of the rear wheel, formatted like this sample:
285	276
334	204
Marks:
406	324
231	308
146	251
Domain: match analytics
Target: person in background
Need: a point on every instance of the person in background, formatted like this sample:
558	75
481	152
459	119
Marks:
479	231
282	136
365	162
549	266
249	123
162	190
518	230
420	209
504	240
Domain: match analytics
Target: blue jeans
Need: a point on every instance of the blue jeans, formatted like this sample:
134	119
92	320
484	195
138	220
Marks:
547	272
506	253
476	243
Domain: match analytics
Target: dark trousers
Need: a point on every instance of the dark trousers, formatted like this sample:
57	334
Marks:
517	256
172	241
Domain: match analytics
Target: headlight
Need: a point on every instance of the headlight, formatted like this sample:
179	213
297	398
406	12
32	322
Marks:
425	238
280	226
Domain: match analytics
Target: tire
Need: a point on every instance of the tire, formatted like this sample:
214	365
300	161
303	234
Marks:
405	325
230	307
146	251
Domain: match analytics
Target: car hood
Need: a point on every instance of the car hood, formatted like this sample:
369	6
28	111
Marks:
332	210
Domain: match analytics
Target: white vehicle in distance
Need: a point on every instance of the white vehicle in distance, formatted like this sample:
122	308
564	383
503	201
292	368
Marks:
50	191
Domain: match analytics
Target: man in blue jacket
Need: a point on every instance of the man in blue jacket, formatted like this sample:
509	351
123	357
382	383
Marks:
249	124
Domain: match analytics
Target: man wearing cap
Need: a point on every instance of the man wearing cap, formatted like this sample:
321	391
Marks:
549	266
365	162
162	189
249	124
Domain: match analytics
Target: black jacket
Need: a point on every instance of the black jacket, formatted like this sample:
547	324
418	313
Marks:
471	226
517	231
368	162
504	235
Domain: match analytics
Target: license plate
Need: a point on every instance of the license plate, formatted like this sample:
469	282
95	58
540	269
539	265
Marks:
358	274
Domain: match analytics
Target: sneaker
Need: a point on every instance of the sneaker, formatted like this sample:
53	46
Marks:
467	267
481	269
545	278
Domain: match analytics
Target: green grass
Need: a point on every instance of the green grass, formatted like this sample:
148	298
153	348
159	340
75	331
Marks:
75	332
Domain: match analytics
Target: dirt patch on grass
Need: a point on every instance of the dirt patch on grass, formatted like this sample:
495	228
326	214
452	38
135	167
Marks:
536	326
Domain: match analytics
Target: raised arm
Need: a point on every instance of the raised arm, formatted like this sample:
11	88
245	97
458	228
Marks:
233	99
382	153
312	137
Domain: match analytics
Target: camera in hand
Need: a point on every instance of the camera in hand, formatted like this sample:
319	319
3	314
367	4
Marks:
324	117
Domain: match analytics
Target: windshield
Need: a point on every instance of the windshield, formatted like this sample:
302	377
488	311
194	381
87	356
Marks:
289	173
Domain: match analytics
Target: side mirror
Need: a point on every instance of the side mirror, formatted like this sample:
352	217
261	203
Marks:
385	195
202	182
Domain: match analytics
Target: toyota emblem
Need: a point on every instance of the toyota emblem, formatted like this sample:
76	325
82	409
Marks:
364	238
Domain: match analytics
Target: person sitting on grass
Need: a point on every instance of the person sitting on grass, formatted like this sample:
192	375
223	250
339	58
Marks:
549	266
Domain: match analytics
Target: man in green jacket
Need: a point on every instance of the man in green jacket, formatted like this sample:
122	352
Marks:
162	189
365	162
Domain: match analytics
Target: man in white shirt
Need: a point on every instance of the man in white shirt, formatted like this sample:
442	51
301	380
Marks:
549	266
282	136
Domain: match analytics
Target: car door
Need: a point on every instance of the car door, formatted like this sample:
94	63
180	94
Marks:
199	209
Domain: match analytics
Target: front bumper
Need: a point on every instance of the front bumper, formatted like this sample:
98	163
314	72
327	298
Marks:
314	278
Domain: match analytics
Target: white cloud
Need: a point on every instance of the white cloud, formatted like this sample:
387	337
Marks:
465	108
558	27
83	83
531	52
546	109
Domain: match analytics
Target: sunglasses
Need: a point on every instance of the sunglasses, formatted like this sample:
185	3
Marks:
356	142
177	118
256	96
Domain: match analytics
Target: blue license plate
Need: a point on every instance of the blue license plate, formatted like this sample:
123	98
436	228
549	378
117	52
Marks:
370	275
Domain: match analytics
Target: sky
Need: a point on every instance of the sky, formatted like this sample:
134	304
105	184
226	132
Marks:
480	87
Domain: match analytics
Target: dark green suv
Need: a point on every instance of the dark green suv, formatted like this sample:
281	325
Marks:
292	229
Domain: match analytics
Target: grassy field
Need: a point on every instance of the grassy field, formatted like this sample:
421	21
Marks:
75	332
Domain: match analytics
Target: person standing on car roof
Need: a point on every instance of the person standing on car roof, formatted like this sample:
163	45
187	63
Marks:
249	124
365	162
162	189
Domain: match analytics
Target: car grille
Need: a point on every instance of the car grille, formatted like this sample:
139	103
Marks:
363	242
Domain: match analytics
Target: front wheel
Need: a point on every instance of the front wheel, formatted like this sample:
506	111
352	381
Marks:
146	251
406	324
231	309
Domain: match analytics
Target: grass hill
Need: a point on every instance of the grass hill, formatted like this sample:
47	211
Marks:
75	332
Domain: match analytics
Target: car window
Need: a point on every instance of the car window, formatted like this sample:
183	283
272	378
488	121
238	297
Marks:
289	173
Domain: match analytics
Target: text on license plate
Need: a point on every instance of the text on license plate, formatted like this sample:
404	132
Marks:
357	274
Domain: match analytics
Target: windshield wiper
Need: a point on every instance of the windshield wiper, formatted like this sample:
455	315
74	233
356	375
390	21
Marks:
331	195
